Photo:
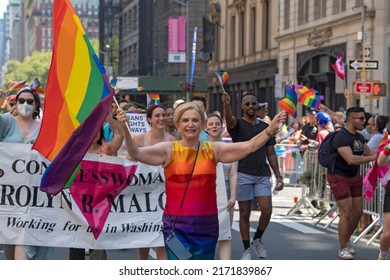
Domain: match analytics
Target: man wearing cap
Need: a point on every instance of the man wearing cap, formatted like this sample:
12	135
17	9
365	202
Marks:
254	173
309	130
262	113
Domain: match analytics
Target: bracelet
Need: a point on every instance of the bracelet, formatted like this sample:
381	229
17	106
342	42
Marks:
386	152
269	134
278	176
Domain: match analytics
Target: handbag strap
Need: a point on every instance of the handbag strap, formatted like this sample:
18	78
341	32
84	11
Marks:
185	191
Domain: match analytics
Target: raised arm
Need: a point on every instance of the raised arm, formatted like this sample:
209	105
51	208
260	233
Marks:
117	130
159	154
229	152
231	120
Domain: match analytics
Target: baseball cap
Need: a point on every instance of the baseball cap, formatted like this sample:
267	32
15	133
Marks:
263	105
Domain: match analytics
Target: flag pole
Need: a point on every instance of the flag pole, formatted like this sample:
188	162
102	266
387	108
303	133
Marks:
118	107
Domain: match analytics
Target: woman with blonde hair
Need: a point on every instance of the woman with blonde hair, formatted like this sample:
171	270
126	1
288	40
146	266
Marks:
190	219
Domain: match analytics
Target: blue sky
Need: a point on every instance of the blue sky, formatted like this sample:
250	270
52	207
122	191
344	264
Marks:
3	7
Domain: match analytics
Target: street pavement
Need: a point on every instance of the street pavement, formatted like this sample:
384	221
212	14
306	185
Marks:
286	238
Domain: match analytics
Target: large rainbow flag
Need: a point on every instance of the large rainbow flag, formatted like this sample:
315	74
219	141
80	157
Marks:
78	92
76	81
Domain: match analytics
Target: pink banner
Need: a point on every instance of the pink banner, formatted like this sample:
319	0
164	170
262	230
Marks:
173	43
182	34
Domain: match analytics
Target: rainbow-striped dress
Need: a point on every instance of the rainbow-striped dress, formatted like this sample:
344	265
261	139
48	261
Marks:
197	221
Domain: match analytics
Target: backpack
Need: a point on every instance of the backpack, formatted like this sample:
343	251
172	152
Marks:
326	155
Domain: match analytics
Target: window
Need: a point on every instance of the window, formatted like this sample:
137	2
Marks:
303	7
286	14
286	66
265	27
252	36
232	43
320	9
241	35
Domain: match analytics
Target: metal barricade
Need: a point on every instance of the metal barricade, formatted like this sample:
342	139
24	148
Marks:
316	187
290	161
373	207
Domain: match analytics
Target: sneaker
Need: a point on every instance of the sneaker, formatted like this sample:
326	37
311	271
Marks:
350	249
247	255
345	254
259	248
381	256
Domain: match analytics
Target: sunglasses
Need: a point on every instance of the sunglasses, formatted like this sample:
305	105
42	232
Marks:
11	104
359	118
253	103
29	101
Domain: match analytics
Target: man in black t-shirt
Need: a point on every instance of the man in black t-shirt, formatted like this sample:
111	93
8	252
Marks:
309	130
253	177
345	180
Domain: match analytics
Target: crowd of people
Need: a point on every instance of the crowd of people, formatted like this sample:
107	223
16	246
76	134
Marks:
190	146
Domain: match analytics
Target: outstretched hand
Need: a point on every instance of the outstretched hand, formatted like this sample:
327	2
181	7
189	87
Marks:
278	121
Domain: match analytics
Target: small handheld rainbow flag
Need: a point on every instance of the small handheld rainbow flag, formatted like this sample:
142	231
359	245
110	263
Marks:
289	102
222	76
14	87
308	97
338	67
37	87
138	89
153	99
113	82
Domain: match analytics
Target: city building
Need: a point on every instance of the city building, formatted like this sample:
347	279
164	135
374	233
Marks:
313	33
245	48
148	31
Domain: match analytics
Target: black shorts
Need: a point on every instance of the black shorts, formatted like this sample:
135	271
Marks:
386	199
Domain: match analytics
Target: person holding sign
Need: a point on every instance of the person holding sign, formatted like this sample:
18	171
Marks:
23	128
190	219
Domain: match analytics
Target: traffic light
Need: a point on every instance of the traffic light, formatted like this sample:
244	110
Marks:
379	89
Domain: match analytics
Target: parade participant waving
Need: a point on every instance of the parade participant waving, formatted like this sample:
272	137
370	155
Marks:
190	217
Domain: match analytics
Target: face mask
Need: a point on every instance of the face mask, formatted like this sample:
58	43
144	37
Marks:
25	109
369	129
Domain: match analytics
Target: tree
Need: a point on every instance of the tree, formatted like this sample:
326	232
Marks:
34	66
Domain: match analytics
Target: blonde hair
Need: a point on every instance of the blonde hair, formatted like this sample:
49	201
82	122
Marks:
179	111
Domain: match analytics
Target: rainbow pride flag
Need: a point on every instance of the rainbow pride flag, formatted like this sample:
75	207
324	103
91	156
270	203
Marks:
78	99
289	102
76	82
113	82
137	89
14	87
153	99
222	77
37	87
308	97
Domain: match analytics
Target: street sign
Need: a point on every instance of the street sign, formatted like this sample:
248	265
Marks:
357	64
361	87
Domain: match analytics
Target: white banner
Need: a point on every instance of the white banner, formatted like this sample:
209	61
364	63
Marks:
138	123
29	216
112	204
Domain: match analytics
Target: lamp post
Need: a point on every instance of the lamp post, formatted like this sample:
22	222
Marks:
108	66
186	4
